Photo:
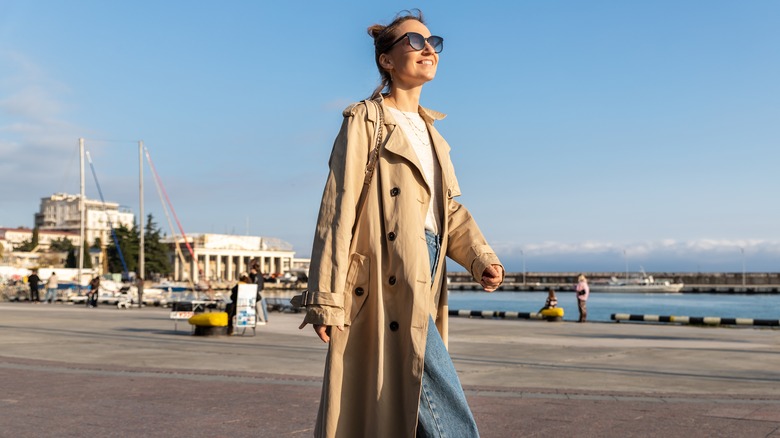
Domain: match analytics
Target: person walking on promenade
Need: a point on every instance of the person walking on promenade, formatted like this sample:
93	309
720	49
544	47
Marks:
139	284
34	280
256	277
583	292
51	288
377	288
92	295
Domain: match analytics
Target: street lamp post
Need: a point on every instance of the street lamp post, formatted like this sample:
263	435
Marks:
523	255
625	256
742	250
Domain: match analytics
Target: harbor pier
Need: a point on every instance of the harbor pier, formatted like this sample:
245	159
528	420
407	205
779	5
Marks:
719	283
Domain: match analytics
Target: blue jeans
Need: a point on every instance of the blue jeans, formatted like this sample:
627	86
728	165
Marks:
443	410
51	294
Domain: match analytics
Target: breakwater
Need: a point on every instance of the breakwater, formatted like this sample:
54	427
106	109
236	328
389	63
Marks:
726	283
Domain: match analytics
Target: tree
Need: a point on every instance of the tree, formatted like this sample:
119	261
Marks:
29	244
61	245
155	252
71	260
128	241
156	260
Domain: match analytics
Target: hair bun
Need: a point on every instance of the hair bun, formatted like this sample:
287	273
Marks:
376	30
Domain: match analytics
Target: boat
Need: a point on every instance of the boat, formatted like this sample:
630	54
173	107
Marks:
645	284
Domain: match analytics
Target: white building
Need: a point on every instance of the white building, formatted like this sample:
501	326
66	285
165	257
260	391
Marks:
11	237
224	257
61	212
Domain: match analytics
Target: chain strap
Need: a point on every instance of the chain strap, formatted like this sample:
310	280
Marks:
374	155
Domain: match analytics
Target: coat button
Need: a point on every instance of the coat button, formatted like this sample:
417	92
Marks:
391	280
359	291
391	236
394	326
395	191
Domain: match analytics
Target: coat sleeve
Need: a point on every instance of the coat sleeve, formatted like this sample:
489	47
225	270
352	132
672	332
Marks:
466	244
324	299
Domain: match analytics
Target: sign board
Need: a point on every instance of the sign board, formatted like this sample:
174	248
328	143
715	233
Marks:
182	315
246	312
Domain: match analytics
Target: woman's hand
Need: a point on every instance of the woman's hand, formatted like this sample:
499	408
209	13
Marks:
491	278
323	331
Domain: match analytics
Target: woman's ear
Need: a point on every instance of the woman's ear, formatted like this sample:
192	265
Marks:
385	62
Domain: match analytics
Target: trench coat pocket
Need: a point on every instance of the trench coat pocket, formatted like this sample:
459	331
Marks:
356	289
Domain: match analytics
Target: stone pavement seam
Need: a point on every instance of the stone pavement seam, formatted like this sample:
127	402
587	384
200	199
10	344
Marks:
281	379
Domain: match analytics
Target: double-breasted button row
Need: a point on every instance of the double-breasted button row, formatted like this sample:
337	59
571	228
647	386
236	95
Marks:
394	326
359	291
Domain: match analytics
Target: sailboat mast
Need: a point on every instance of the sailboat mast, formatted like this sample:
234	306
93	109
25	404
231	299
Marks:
141	209
82	212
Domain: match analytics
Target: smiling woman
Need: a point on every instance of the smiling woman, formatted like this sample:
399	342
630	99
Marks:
376	290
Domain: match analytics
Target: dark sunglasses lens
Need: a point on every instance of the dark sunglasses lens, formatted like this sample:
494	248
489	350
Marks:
436	42
416	40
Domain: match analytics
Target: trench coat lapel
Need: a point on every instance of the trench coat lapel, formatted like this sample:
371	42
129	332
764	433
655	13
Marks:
398	144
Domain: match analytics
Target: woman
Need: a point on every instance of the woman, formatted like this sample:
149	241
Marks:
377	291
583	292
94	290
551	302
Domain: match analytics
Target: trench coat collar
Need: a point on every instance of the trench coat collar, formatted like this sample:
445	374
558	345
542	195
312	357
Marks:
399	145
427	114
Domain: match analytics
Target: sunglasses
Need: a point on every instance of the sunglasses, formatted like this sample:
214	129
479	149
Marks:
418	41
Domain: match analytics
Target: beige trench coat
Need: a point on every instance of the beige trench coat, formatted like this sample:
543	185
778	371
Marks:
381	291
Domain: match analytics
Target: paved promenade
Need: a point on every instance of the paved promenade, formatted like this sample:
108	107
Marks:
69	371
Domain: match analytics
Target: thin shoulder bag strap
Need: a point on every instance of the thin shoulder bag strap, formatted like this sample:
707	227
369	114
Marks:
373	157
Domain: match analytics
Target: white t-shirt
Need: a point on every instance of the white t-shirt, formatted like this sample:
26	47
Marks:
413	125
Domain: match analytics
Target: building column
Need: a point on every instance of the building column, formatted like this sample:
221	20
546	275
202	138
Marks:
219	267
194	268
240	265
176	274
230	267
206	266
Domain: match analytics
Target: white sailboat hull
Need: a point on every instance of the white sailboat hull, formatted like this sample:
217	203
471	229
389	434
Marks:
672	288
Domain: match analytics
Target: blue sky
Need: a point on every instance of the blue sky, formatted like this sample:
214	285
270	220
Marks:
585	135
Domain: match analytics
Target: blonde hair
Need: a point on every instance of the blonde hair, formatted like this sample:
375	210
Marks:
582	278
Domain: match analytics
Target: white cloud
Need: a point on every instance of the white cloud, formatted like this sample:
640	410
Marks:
665	254
37	141
638	249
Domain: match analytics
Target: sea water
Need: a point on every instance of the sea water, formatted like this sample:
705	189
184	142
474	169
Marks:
602	305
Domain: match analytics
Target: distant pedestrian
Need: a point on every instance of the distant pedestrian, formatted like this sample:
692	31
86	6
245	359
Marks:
34	280
139	284
256	276
92	295
51	288
552	300
583	291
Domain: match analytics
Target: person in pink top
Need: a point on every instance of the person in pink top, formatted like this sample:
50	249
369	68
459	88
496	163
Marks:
583	291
